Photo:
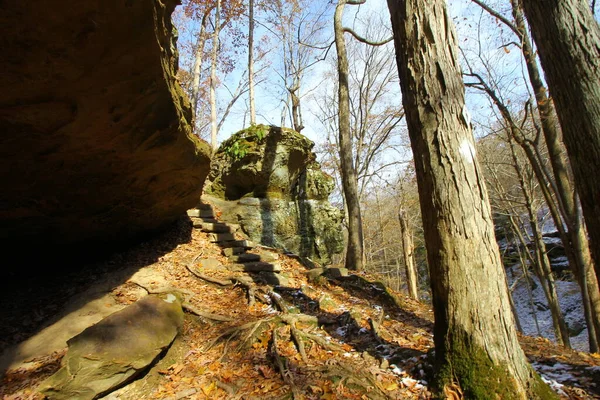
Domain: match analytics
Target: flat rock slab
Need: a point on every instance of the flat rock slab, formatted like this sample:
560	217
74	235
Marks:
255	267
245	257
112	352
209	264
230	251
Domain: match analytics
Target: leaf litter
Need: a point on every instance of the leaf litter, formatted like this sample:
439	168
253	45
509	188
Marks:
345	338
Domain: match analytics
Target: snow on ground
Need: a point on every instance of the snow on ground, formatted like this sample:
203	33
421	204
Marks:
570	302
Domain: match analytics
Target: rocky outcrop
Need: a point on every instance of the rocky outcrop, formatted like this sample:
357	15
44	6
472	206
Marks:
266	180
111	353
95	140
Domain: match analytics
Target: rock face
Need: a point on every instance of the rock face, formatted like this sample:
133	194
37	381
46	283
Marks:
266	180
110	353
95	139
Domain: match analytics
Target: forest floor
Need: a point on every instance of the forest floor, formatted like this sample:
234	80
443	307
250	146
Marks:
345	338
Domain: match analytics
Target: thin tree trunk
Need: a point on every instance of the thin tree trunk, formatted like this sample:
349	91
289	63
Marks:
381	232
542	263
475	337
354	250
198	63
407	253
213	78
251	60
568	42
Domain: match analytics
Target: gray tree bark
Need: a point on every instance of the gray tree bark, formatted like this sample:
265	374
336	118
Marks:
251	61
354	249
408	255
476	343
213	78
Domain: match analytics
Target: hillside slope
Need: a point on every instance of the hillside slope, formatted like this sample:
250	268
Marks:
319	338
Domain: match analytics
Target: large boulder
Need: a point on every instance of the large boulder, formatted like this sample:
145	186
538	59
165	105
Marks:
266	180
111	353
95	139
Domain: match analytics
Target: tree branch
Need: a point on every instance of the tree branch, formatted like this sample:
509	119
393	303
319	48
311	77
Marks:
366	41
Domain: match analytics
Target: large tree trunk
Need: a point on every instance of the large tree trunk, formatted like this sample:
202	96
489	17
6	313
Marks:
568	41
565	194
213	78
408	255
475	338
354	249
251	60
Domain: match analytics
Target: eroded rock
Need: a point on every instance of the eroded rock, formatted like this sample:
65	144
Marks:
266	180
112	352
95	140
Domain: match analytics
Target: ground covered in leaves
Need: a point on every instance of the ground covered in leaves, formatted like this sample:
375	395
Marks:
337	338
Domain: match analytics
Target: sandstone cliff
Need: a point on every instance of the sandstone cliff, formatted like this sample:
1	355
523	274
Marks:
95	140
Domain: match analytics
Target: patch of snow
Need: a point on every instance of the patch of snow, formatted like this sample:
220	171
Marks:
557	387
341	331
570	302
170	298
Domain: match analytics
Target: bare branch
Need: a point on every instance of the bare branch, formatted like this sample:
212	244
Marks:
366	41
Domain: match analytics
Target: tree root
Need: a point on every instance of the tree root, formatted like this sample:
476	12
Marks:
204	314
185	303
247	284
281	363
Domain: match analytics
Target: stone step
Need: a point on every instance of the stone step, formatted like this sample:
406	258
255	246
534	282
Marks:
221	238
204	206
196	213
258	266
215	227
231	251
245	258
247	244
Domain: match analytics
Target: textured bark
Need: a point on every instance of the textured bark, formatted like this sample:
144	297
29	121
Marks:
568	41
213	78
408	255
475	337
251	60
354	251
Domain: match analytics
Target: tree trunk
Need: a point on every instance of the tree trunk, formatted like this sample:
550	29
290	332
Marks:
251	60
354	249
475	337
568	42
213	78
198	64
541	263
407	253
564	191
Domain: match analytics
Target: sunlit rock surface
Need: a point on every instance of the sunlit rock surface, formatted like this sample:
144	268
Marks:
266	179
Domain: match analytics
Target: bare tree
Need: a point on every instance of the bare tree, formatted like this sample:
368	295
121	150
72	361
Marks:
477	351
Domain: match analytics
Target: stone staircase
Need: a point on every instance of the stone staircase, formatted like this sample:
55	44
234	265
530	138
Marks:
234	245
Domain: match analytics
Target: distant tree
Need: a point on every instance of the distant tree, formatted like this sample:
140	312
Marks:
477	351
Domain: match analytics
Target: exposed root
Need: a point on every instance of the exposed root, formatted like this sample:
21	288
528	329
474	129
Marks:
281	363
204	314
247	284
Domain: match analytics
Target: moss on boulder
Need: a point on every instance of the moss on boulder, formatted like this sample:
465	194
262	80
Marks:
266	179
